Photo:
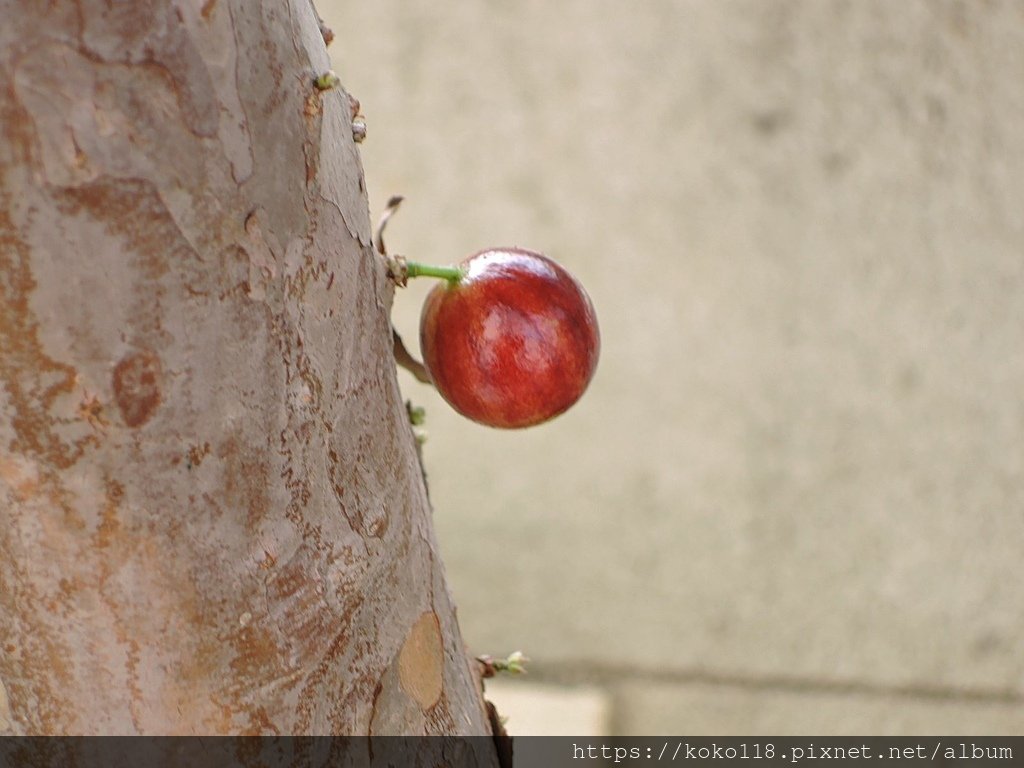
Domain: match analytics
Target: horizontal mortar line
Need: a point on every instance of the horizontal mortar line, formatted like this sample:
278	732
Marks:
602	673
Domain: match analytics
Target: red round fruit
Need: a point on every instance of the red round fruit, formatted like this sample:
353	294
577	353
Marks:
513	342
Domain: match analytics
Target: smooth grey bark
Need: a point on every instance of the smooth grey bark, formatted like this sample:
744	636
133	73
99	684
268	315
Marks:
212	516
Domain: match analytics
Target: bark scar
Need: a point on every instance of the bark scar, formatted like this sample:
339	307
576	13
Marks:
421	661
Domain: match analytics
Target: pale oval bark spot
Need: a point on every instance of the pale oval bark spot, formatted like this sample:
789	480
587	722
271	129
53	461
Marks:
421	661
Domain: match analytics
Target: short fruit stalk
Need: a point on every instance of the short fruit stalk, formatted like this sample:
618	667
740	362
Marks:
451	274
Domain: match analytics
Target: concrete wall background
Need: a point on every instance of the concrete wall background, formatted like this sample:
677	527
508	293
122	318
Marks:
793	499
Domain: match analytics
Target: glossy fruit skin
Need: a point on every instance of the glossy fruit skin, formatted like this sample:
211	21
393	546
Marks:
513	343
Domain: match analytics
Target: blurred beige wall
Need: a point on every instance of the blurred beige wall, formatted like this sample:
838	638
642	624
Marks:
793	499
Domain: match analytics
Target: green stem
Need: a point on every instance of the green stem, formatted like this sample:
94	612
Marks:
451	274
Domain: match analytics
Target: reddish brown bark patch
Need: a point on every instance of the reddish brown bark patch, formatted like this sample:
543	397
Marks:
137	387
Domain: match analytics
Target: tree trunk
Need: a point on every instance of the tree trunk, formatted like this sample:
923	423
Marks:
212	515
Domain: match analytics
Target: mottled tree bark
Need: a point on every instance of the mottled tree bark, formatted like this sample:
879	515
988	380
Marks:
212	516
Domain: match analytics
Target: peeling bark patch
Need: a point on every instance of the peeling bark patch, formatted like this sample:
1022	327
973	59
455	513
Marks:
196	454
137	387
150	36
361	458
20	475
256	651
115	544
6	719
421	661
32	380
245	478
